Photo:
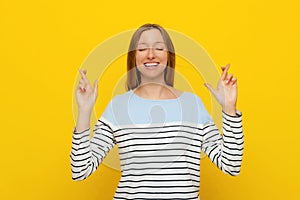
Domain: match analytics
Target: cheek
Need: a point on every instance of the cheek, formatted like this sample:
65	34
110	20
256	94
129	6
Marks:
138	58
164	58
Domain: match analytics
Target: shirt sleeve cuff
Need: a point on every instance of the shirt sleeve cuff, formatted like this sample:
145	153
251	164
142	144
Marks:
75	131
231	117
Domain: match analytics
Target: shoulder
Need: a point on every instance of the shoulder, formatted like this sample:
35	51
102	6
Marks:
194	103
115	103
120	98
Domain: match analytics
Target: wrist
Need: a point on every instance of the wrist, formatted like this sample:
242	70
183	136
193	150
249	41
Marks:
84	115
230	110
85	110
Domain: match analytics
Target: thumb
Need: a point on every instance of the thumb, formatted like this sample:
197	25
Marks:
96	87
210	88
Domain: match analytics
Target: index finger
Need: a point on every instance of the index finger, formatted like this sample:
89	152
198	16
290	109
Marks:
83	75
225	70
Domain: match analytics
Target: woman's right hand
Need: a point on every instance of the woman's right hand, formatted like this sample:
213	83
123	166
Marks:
86	95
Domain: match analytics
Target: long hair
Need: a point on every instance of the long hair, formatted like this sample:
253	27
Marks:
133	76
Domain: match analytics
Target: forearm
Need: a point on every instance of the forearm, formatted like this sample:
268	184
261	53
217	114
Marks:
83	120
225	150
233	143
87	153
81	155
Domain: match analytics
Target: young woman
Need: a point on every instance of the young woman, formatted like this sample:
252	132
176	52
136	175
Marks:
160	131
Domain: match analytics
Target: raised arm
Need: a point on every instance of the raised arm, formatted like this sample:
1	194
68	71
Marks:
225	150
87	154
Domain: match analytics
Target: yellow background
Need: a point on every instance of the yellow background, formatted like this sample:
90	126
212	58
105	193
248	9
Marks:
43	44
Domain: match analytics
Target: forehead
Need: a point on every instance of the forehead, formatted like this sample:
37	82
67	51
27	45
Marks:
151	36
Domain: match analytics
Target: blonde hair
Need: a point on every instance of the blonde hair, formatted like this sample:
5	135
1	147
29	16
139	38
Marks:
133	76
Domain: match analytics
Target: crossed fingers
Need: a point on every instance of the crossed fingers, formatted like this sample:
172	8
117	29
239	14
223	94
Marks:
228	79
83	82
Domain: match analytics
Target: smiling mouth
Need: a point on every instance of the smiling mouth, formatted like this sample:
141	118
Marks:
154	64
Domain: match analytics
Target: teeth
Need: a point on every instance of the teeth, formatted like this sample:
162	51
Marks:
151	64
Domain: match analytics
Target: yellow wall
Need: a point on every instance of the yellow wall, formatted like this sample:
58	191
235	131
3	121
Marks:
43	43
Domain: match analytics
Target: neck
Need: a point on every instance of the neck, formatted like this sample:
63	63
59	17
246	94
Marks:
154	90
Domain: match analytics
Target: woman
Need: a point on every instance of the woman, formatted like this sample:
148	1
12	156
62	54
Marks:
159	130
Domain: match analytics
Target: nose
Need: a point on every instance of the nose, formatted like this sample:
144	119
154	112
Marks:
151	54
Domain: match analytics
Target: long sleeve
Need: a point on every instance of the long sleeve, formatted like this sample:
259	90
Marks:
87	153
225	150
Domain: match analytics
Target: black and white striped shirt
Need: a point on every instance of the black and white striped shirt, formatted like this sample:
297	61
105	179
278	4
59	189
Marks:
159	143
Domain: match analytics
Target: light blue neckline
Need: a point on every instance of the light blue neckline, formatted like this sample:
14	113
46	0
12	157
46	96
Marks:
157	100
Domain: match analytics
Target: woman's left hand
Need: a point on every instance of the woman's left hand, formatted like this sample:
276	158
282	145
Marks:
226	92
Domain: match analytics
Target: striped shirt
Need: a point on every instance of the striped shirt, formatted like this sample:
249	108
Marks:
159	143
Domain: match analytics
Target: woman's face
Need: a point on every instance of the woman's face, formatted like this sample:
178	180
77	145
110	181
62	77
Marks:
151	56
